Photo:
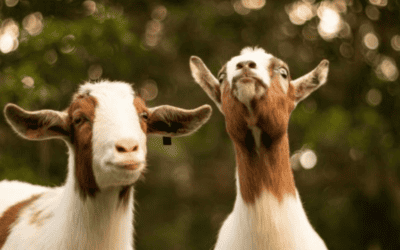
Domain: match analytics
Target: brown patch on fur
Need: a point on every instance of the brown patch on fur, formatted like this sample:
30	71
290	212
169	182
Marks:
38	218
269	168
140	106
36	124
81	116
124	195
10	216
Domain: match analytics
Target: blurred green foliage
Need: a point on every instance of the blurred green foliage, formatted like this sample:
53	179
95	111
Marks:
352	195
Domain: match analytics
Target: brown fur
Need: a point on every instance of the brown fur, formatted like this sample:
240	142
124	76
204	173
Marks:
38	217
267	167
124	195
140	106
10	216
83	106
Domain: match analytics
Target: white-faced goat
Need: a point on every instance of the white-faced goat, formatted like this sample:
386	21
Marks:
255	93
105	128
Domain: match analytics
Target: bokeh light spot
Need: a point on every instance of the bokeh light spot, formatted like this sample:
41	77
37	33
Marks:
345	31
149	91
153	32
6	43
95	71
371	41
253	4
9	33
387	69
89	7
67	44
11	3
374	97
330	23
33	23
154	27
240	9
395	42
308	159
28	82
159	13
372	12
50	56
300	12
380	3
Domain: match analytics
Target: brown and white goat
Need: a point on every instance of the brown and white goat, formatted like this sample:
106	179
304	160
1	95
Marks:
105	129
256	95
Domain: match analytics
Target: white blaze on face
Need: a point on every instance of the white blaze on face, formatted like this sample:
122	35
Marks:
258	56
246	92
115	119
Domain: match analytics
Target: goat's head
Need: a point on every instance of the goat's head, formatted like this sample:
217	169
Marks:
106	126
255	90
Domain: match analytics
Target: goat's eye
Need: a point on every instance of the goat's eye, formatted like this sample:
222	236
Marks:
78	120
144	115
283	72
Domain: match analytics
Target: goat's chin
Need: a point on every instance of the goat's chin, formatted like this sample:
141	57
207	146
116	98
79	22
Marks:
127	176
110	174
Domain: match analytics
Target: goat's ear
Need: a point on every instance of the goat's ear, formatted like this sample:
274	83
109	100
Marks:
203	76
308	83
172	121
37	125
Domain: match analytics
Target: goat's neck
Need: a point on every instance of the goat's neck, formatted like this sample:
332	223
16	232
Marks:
268	213
100	222
263	165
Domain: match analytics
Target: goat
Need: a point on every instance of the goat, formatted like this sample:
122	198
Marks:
256	95
105	129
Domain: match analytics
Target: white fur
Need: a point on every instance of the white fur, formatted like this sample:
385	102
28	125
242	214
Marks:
268	225
257	55
115	100
66	220
246	92
99	223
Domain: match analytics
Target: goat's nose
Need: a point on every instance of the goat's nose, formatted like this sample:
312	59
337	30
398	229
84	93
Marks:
246	64
126	145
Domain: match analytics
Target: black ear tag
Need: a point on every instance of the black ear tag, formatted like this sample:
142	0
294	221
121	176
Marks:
166	140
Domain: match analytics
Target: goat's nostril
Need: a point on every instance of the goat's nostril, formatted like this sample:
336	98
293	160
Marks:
252	65
246	64
126	146
120	149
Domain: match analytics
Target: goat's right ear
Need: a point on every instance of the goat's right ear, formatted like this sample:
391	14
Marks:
206	80
37	125
171	121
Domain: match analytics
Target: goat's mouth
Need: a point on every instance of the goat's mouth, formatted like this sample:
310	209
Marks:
129	165
246	79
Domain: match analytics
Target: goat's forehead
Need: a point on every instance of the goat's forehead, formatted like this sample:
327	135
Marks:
112	98
108	90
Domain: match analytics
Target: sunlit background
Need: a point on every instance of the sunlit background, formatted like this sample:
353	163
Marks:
344	138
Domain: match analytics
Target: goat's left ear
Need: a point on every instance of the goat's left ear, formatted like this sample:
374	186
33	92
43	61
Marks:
37	125
171	121
308	83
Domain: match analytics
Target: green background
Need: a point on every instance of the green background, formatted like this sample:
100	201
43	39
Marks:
352	195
